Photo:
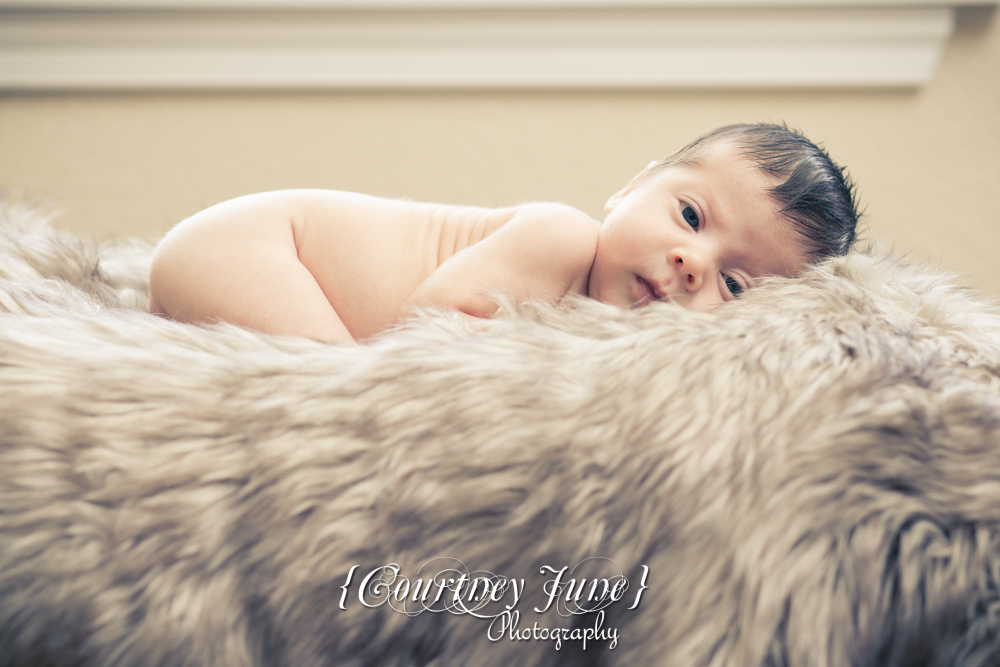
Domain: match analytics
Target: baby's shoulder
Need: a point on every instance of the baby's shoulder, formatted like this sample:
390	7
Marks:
559	229
561	218
551	244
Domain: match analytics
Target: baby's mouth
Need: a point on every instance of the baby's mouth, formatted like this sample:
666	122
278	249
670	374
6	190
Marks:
648	291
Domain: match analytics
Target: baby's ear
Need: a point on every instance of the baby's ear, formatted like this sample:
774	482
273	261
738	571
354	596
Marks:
614	200
617	197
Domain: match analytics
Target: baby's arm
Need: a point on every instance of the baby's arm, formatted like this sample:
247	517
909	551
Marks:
238	262
544	251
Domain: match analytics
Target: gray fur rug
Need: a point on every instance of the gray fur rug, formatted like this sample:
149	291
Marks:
808	476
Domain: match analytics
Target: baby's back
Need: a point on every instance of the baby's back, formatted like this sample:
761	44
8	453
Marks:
242	260
370	254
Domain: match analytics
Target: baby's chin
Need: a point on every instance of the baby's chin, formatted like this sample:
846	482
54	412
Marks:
686	302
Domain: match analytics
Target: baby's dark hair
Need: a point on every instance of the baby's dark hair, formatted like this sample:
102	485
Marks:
812	191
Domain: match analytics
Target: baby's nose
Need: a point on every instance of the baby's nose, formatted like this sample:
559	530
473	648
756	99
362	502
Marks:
689	269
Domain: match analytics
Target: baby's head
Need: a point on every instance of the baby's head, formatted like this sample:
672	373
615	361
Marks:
701	226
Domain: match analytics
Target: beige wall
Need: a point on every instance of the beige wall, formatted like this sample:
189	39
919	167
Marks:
927	161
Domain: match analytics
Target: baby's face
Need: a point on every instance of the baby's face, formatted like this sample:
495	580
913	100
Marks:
696	235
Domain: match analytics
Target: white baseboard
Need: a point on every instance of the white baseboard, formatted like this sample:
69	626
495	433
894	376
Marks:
209	44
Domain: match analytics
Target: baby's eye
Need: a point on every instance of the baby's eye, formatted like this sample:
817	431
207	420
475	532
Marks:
733	287
690	216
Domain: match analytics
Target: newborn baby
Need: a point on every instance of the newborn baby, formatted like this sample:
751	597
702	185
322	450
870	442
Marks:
698	228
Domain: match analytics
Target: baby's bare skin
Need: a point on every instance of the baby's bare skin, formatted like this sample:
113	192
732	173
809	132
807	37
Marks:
343	266
336	265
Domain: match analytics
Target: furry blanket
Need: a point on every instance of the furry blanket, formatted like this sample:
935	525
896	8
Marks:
808	476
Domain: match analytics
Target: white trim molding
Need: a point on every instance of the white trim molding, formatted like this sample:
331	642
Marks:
398	44
275	5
